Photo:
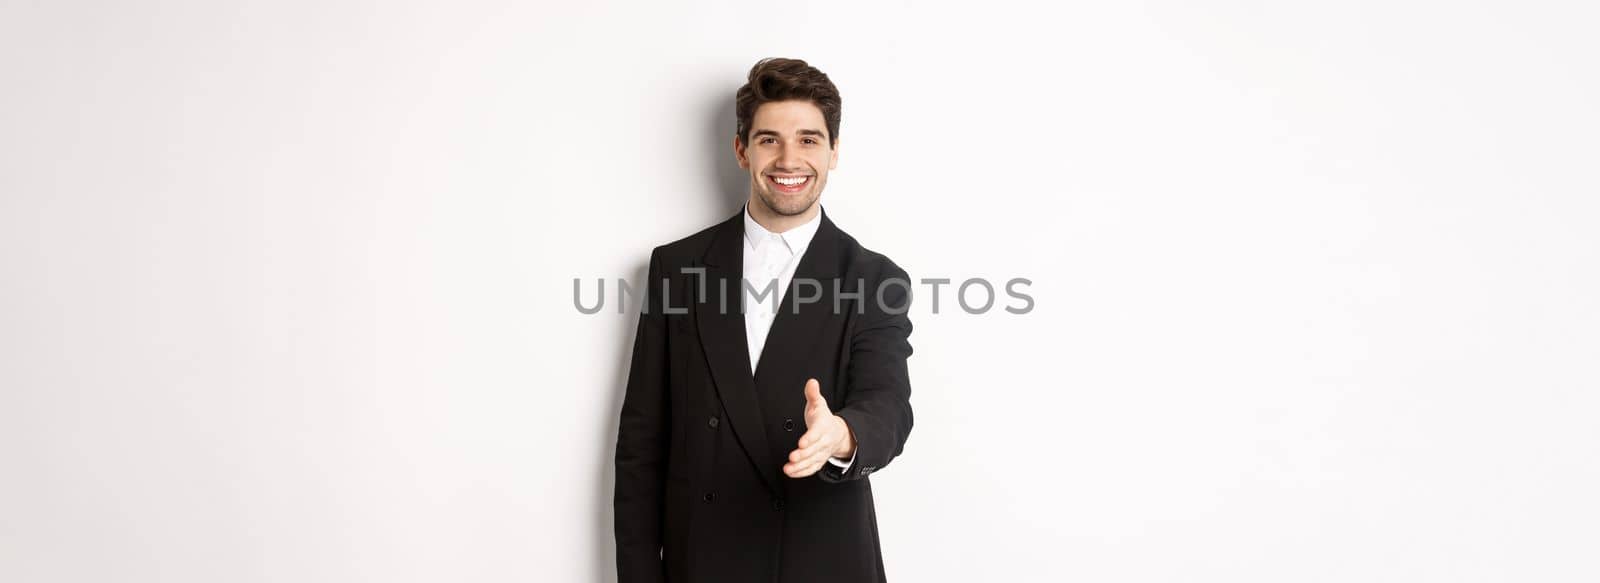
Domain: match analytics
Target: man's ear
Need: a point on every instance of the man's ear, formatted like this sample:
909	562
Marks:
738	153
833	159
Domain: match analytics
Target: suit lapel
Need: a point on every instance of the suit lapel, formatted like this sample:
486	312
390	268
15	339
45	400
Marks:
796	326
722	336
781	371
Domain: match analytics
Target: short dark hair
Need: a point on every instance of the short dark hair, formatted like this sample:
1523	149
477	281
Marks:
779	79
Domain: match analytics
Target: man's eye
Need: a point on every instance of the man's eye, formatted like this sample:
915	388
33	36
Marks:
810	141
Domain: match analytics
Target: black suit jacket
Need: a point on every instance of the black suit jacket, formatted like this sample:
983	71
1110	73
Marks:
700	494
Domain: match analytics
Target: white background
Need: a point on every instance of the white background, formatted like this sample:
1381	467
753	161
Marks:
287	286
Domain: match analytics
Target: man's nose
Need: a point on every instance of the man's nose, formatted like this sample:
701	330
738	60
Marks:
789	159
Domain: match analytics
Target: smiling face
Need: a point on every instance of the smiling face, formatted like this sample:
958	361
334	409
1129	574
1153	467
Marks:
788	157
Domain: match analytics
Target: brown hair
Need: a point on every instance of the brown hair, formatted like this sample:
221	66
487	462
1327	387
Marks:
778	79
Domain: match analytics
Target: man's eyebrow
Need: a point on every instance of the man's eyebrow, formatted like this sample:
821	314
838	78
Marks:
803	132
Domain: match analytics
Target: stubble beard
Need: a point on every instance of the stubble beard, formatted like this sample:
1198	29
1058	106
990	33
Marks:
775	202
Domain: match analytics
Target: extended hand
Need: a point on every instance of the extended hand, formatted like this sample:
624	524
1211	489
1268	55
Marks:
826	435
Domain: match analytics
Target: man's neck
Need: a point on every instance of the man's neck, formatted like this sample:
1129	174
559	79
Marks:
776	223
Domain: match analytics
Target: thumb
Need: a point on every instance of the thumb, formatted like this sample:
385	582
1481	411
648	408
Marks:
813	392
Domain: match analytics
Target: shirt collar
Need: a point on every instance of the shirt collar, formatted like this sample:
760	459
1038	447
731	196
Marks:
798	238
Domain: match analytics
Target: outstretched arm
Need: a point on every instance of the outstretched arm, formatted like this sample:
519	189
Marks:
877	404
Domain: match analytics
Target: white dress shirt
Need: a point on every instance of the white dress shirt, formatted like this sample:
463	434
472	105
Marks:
769	263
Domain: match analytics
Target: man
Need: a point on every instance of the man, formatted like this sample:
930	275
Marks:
769	372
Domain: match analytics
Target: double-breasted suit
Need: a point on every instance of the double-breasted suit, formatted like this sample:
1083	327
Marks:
700	491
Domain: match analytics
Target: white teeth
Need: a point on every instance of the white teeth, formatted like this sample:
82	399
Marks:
789	181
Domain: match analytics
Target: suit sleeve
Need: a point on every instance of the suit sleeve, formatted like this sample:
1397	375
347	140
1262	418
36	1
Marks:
642	439
877	402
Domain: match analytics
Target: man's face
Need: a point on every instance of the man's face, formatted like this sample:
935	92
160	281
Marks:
788	156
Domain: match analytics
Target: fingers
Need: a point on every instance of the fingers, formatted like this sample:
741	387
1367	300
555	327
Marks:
796	471
816	445
802	471
814	458
815	452
800	467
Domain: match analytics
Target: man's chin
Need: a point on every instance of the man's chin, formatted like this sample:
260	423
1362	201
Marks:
787	208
